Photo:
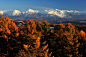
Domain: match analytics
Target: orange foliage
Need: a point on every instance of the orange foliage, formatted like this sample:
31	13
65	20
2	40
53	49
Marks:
69	24
82	33
17	34
54	24
45	47
23	22
32	40
0	29
62	25
7	18
26	47
84	39
52	31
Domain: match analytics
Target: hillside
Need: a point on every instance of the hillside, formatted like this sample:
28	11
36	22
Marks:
36	39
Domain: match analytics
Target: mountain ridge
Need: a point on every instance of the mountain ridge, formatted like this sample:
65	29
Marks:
45	14
60	13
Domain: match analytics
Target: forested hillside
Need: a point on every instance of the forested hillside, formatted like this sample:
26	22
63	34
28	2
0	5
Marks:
37	40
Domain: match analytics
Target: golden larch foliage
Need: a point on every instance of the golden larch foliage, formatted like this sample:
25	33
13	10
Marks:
82	33
26	47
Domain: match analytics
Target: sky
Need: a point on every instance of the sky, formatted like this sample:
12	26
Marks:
23	5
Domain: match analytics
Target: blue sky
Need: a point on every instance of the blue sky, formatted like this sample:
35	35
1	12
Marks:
24	5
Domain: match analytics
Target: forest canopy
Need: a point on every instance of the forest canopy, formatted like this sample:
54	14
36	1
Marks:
37	40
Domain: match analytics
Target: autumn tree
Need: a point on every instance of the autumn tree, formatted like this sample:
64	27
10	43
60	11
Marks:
37	40
31	40
1	17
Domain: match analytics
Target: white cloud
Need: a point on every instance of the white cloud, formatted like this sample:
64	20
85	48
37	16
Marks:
16	12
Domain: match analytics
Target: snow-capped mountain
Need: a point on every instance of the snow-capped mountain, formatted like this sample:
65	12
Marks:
32	11
16	12
2	12
48	13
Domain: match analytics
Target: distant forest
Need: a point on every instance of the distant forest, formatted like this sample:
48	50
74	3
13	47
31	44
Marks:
36	39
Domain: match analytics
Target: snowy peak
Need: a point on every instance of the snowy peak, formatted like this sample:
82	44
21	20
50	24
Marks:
51	12
32	11
60	13
16	12
1	12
